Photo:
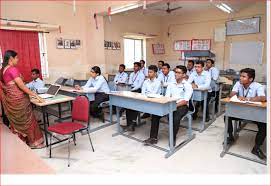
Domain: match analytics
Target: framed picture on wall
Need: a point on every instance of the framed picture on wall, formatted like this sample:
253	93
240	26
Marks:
73	44
182	45
158	48
114	46
67	43
59	43
77	43
118	45
243	26
201	44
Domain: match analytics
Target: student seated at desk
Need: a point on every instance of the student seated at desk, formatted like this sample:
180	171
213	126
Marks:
150	86
143	69
201	79
121	77
214	73
248	90
166	77
36	82
190	68
160	66
182	90
136	78
97	84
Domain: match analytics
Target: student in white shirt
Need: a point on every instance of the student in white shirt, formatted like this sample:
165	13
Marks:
150	86
121	77
143	69
97	84
136	78
160	66
248	90
201	79
36	82
214	73
182	90
190	67
166	77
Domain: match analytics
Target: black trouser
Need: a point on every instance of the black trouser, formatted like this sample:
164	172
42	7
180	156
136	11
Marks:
260	136
99	98
201	103
131	115
177	116
216	95
4	116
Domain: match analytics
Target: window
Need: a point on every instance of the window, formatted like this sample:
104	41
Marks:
43	55
133	51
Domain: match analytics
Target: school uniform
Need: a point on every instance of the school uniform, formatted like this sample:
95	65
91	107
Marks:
203	81
100	86
136	81
35	85
159	72
255	89
149	87
181	91
144	71
120	79
214	73
189	72
166	80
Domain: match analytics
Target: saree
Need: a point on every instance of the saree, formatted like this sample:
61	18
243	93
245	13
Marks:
19	111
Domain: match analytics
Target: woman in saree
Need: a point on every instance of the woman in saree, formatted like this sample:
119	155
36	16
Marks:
16	102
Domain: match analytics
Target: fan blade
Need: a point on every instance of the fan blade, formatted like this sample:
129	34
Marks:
173	9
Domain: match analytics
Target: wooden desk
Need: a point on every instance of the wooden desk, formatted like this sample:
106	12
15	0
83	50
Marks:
58	99
157	106
18	158
246	111
72	92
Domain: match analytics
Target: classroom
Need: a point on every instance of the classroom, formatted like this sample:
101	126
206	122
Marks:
114	87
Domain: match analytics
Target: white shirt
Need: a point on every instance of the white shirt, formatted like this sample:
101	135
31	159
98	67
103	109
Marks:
136	80
151	87
181	91
255	89
35	85
203	81
144	71
99	84
121	78
189	72
165	80
159	71
214	73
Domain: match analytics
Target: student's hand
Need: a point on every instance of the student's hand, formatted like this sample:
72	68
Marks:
77	87
242	98
194	86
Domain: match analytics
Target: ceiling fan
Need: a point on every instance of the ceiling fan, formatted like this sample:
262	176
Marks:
169	10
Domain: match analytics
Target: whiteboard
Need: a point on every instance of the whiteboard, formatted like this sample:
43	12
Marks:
250	52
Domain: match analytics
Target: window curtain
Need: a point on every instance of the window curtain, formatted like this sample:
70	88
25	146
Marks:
26	44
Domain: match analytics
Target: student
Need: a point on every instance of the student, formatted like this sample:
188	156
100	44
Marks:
97	84
160	66
214	73
190	67
136	78
201	79
143	69
182	90
121	77
36	82
150	86
166	77
247	89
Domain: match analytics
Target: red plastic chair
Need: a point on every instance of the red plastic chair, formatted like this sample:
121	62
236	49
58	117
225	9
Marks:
80	112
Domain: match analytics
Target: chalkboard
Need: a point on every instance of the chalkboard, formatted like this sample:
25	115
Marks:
249	52
243	26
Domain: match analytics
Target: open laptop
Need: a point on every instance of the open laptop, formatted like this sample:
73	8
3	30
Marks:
52	91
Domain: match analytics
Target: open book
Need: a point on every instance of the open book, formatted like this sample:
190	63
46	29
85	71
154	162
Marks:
235	99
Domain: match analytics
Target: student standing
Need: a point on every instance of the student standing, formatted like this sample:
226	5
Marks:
248	90
201	79
150	86
182	90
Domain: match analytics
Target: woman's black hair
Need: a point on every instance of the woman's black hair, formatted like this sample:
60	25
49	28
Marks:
96	69
8	54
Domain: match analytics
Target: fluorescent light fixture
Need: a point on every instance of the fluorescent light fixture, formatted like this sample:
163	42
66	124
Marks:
227	7
223	8
125	8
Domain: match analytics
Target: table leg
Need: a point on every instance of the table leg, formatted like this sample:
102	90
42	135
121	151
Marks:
118	123
204	111
110	112
171	147
219	102
225	144
45	124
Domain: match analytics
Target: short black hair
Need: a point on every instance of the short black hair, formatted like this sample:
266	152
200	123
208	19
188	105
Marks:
166	65
137	63
200	63
250	72
212	61
37	71
142	61
122	65
153	67
183	68
191	61
161	62
96	69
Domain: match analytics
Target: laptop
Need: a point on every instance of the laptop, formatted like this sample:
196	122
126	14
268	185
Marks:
52	91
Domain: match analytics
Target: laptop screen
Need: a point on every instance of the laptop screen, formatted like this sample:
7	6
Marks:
53	89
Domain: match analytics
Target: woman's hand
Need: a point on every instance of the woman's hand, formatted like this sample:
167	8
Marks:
35	96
